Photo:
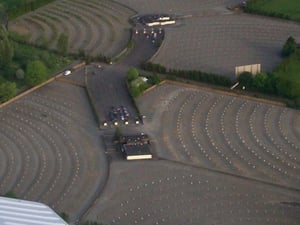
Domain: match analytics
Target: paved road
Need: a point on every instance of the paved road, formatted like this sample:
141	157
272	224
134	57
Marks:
108	83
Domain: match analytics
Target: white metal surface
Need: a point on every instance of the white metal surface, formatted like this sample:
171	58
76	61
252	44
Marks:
21	212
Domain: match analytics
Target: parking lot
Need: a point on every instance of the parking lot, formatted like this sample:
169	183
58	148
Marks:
224	132
163	192
218	158
50	150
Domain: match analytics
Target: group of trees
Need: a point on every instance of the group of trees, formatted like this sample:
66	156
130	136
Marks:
188	74
22	65
137	83
284	81
7	89
36	71
261	82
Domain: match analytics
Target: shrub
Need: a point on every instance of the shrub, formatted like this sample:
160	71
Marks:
36	73
154	79
132	74
246	79
289	47
7	90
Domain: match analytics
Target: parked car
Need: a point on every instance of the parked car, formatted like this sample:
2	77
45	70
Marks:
67	72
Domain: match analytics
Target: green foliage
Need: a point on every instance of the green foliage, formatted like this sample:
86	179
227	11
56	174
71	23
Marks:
188	74
7	90
62	44
65	217
36	73
270	86
18	37
246	80
6	48
259	81
137	82
288	75
289	47
132	74
297	103
25	54
10	194
135	91
154	79
138	90
283	81
275	8
16	8
154	67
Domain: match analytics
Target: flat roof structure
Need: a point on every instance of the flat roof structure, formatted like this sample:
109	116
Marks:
139	151
22	212
136	147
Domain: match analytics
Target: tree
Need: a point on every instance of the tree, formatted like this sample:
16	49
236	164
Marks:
62	44
289	47
36	73
6	48
259	81
154	79
246	79
271	84
132	74
7	90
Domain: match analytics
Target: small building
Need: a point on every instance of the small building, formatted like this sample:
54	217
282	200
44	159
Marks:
21	212
136	147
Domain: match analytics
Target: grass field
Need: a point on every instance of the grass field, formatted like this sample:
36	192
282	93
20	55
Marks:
290	8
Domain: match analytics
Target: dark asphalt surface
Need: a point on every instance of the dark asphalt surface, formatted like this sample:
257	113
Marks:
107	84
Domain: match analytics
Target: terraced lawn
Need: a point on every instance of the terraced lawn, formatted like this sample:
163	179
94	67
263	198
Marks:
95	27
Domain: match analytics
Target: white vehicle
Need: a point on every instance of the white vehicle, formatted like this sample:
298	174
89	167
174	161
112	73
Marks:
67	72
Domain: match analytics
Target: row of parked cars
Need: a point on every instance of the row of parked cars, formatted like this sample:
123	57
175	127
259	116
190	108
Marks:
117	114
120	115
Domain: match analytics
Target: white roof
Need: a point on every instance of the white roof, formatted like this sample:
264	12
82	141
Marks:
21	212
